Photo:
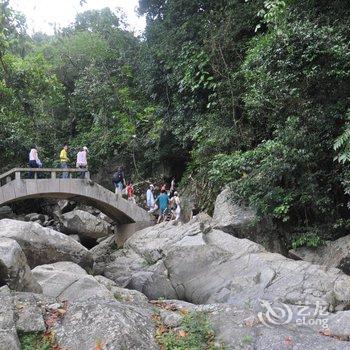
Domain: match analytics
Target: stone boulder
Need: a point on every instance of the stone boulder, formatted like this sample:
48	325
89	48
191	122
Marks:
85	224
106	324
91	323
6	212
36	217
332	253
242	222
43	245
106	218
102	252
8	335
121	294
29	312
68	281
14	270
208	274
64	206
241	328
197	263
230	217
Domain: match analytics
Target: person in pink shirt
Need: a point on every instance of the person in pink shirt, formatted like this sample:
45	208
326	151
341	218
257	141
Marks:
82	160
33	160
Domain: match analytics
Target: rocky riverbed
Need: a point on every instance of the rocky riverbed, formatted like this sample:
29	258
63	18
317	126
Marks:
170	286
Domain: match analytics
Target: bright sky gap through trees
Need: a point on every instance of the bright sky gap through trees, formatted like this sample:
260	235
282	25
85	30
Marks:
44	15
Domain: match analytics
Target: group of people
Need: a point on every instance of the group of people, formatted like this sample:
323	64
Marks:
81	161
120	184
167	202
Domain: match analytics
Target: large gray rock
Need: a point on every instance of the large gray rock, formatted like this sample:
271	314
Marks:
197	263
65	206
121	266
230	217
242	222
85	224
110	324
230	244
14	270
8	335
207	274
121	294
43	245
242	328
29	313
332	253
36	217
101	252
142	251
6	212
68	281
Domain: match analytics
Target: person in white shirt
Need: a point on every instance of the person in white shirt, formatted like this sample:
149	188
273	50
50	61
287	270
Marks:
176	206
172	187
82	160
33	160
150	198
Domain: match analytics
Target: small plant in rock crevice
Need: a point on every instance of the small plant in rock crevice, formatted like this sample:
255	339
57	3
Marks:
195	333
36	341
147	262
247	339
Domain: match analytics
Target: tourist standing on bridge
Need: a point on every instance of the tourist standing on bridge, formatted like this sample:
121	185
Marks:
119	180
64	160
33	160
82	161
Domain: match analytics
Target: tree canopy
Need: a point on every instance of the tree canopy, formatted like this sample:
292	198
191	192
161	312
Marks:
254	94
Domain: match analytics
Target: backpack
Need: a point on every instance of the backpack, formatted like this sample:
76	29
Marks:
118	177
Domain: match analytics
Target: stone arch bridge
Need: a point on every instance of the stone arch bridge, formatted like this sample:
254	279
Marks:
47	183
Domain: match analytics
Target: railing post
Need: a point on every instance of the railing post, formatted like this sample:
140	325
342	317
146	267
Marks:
87	175
8	179
53	174
18	175
35	175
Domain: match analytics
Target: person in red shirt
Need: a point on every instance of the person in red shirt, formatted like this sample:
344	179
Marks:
130	192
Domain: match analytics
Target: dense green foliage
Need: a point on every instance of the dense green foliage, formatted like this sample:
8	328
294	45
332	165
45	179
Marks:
78	86
249	93
257	92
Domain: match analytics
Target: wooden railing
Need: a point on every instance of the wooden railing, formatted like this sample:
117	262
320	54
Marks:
42	173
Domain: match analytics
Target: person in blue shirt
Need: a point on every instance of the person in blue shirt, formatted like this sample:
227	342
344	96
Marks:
163	203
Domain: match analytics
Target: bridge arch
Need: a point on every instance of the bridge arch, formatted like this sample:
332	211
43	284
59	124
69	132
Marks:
14	187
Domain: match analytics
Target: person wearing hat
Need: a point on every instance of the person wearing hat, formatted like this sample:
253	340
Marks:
150	198
82	160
